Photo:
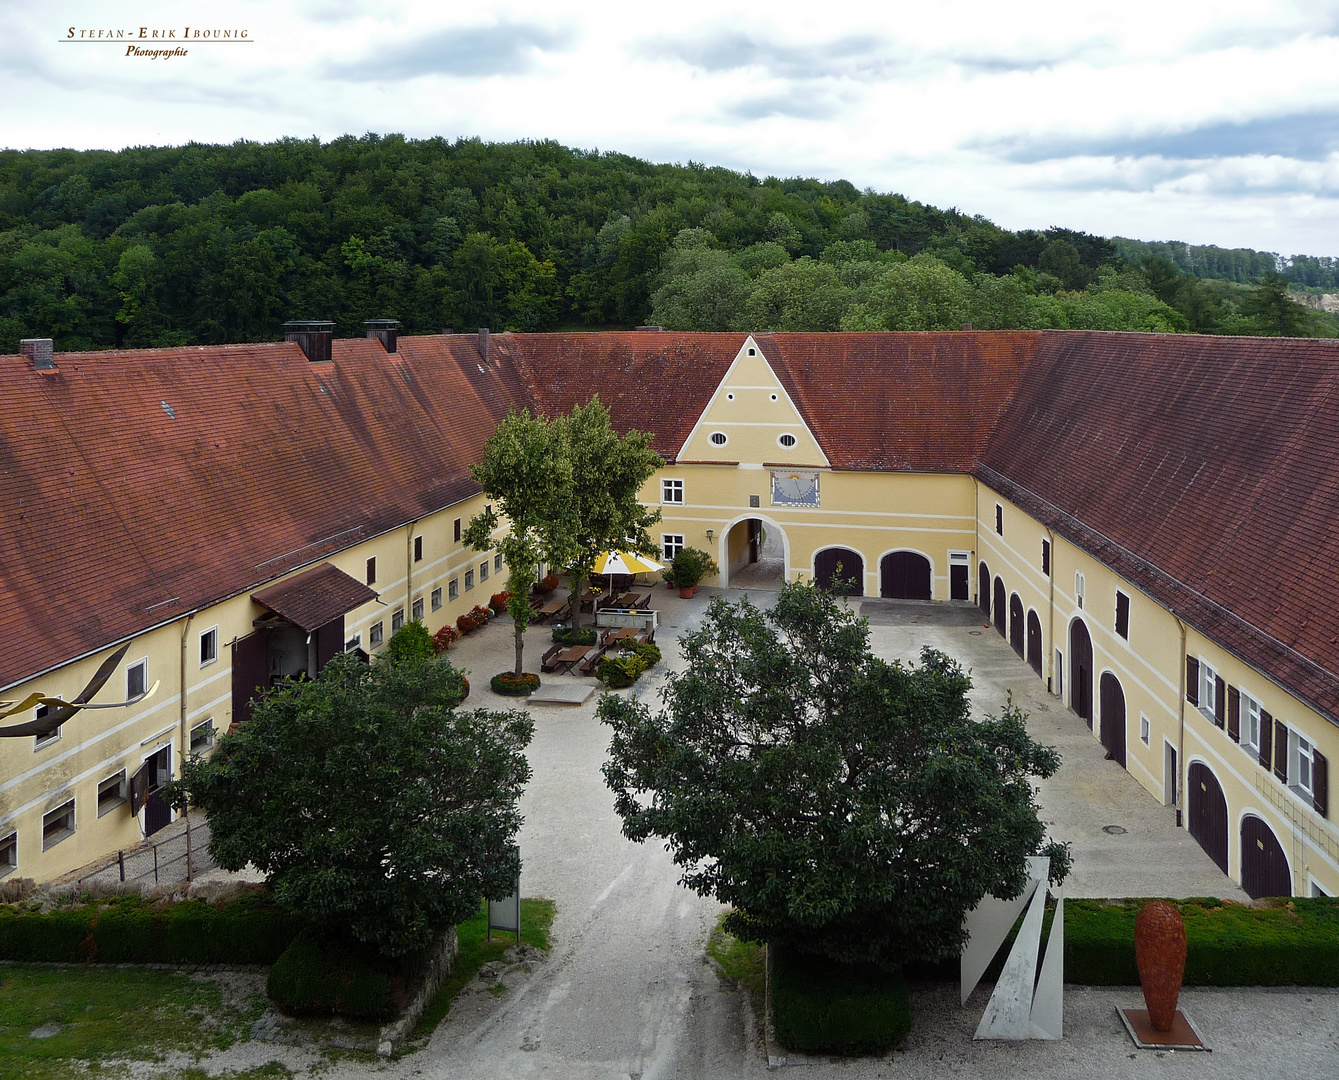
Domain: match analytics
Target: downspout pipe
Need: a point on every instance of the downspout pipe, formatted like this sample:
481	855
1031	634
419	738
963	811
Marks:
185	735
1050	616
1181	713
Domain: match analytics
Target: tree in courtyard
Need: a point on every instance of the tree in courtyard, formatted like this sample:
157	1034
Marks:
843	805
526	472
602	511
370	801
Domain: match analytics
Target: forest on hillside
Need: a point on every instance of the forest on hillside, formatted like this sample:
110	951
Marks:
154	246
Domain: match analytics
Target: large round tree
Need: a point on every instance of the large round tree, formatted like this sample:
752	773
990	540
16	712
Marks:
841	804
371	802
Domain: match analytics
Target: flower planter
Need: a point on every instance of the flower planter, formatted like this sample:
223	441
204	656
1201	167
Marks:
687	594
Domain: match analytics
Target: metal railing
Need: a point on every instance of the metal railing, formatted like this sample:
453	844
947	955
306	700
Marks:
168	861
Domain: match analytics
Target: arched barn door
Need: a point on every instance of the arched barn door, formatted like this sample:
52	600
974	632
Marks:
1264	867
1034	642
999	606
905	576
983	589
1081	671
1113	717
1016	624
1208	813
852	566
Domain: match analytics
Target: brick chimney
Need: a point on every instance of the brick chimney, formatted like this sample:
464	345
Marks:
483	343
387	330
314	338
41	351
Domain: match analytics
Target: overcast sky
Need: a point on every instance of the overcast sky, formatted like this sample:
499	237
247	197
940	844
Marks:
1211	122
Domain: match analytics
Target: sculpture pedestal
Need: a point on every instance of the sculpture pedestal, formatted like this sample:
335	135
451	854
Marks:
1184	1035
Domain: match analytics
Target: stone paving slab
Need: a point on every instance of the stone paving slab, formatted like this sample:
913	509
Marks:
570	692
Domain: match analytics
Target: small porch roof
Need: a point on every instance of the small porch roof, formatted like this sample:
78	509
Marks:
315	596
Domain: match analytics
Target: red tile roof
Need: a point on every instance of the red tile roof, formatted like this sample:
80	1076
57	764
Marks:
315	597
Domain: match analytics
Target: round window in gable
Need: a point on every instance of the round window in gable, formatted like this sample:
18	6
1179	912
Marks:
729	397
787	440
717	438
773	397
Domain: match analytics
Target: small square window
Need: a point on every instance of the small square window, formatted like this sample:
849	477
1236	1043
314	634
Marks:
57	824
1078	589
209	646
417	610
9	853
372	570
453	588
755	501
671	544
999	519
137	679
671	491
418	549
1122	615
457	530
1143	729
397	620
469	579
111	793
497	563
1046	557
436	598
376	635
202	735
484	567
40	742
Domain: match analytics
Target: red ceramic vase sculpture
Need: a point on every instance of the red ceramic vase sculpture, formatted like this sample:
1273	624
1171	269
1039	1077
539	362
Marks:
1160	952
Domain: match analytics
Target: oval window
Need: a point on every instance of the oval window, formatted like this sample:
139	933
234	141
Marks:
729	397
717	438
773	397
787	440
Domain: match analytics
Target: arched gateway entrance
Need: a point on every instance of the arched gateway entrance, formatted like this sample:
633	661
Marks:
754	554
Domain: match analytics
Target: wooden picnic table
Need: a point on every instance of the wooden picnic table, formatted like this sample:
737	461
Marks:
621	634
632	600
568	658
545	611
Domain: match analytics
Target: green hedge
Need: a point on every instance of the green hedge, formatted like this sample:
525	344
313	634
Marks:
571	635
318	976
819	1006
251	930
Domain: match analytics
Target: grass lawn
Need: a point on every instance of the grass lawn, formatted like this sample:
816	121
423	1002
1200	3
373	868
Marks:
476	950
98	1014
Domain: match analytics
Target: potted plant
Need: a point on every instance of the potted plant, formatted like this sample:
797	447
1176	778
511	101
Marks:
689	567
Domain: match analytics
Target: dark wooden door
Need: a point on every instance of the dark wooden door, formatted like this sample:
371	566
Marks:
1208	813
998	607
1081	671
904	575
1016	624
250	670
983	589
959	578
157	813
1034	642
843	563
1264	867
1113	718
755	539
329	641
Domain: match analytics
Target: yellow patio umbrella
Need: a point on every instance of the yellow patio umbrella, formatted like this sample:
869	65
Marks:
624	562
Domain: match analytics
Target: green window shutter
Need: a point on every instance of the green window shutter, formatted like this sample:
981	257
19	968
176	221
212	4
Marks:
1192	680
1219	701
1320	784
1234	714
1281	751
1266	738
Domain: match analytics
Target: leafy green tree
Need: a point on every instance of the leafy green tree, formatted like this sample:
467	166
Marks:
411	642
700	288
803	295
601	507
1275	312
525	470
841	804
921	294
370	802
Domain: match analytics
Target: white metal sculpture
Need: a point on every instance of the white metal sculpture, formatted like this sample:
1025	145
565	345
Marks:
1015	1011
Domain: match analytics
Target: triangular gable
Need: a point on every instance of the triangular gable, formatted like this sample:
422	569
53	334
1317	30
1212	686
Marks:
752	410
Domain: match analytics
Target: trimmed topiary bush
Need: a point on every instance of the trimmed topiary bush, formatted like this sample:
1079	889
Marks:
321	976
411	642
618	672
821	1006
649	652
510	684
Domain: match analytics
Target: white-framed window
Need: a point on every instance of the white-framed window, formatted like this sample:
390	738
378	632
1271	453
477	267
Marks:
9	853
1250	725
469	580
1301	759
397	620
671	492
376	635
209	646
1208	690
718	438
786	440
1079	585
497	563
1144	727
483	570
453	588
137	678
111	792
730	397
671	544
41	742
202	736
354	642
57	824
436	598
417	610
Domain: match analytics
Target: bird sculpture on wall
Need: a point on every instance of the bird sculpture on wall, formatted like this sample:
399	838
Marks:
59	711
